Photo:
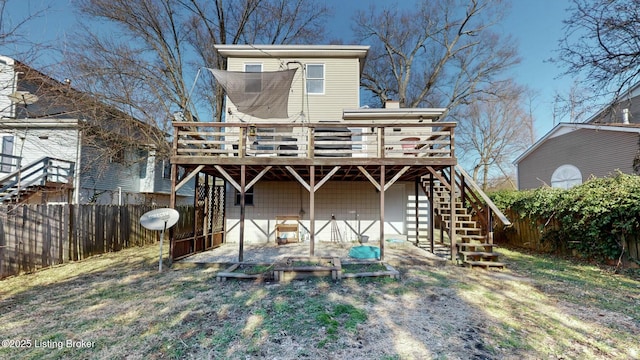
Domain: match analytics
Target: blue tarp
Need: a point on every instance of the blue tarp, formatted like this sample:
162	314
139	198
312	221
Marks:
365	252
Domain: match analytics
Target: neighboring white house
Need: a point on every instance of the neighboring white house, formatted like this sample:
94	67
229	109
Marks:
40	119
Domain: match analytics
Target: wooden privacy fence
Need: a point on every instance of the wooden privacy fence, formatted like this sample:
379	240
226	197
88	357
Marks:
33	237
527	234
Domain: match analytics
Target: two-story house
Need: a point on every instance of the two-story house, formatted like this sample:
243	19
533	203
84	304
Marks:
62	146
303	162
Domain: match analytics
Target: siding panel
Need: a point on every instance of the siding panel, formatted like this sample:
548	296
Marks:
596	153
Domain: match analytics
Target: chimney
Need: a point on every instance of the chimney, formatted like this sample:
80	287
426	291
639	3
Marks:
392	104
625	116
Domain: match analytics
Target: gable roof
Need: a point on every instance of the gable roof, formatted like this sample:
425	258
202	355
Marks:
565	128
630	95
58	102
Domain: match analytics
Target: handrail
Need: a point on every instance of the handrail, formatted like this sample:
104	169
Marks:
468	179
308	140
37	172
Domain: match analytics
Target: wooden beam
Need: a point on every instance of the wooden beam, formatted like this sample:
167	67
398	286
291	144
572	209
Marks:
368	176
431	214
299	178
312	210
327	177
301	161
417	208
186	179
382	174
442	179
396	177
243	171
452	207
228	177
260	175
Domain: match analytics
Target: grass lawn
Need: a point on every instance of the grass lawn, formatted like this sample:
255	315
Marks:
118	306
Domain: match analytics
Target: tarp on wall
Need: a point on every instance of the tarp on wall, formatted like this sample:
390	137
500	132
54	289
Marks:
263	95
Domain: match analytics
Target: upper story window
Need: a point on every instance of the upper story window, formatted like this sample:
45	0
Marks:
315	78
254	82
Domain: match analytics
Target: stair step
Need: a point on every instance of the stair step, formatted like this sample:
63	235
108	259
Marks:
478	254
472	236
485	264
474	246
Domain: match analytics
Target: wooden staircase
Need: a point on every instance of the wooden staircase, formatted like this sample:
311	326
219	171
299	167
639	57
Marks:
44	174
470	212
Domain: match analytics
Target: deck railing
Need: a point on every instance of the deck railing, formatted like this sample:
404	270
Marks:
310	140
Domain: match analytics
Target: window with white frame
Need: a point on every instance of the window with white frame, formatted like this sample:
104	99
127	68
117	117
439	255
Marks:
566	177
254	82
7	162
315	78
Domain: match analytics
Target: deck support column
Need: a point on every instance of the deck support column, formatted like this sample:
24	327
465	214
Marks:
432	216
243	173
172	204
312	210
452	215
382	188
417	207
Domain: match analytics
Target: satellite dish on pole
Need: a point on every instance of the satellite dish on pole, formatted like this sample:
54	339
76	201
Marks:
160	219
23	97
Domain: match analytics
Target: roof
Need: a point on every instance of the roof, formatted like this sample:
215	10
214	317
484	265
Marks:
358	51
393	114
564	128
632	92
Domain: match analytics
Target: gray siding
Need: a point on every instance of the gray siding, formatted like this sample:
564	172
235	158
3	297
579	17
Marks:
614	115
596	153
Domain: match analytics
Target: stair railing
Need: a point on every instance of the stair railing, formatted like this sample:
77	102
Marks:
37	173
472	195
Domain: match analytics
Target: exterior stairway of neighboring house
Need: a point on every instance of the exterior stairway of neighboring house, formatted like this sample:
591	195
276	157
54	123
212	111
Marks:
472	216
44	174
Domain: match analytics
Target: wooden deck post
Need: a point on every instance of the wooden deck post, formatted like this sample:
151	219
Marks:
243	173
432	216
417	206
312	209
382	173
452	215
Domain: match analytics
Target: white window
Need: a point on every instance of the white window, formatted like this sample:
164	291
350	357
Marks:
315	78
566	176
254	81
7	162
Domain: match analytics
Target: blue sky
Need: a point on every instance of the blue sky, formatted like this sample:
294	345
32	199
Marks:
535	24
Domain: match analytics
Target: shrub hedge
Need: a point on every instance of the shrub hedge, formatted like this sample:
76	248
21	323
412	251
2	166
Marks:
593	218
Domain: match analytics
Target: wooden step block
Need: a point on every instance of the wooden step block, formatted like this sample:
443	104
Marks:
485	264
478	255
475	246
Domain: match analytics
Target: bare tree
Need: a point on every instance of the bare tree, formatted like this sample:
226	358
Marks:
573	104
492	131
438	54
14	41
602	43
147	57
